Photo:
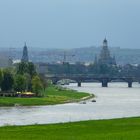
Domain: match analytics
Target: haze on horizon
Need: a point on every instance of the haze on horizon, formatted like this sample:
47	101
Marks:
69	24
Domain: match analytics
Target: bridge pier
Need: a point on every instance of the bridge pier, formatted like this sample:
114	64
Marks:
79	84
104	82
130	84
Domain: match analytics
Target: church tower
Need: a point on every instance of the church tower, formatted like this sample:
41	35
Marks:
25	54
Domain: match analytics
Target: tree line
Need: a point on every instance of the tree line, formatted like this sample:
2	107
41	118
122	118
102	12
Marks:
22	78
97	69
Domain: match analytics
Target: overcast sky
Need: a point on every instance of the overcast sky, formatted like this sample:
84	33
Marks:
69	23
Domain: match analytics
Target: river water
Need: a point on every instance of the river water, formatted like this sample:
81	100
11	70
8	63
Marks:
116	101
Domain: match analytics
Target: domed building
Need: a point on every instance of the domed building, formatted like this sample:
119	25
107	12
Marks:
105	57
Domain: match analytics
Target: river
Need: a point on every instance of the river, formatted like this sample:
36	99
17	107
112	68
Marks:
116	101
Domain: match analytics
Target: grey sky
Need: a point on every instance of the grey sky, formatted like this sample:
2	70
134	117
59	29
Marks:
69	23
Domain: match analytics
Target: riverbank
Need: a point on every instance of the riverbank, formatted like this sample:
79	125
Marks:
52	95
117	129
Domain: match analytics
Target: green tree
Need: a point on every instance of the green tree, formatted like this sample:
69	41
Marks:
19	83
31	69
28	82
22	68
7	81
37	85
44	81
27	69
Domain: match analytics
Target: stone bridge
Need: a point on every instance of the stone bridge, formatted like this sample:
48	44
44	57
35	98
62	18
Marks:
104	79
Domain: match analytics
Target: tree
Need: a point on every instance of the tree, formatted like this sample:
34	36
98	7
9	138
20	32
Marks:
36	85
28	82
7	81
31	69
19	83
22	68
44	81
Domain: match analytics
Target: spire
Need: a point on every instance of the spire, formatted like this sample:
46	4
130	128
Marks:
25	54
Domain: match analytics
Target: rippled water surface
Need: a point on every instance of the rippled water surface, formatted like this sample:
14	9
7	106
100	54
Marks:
116	101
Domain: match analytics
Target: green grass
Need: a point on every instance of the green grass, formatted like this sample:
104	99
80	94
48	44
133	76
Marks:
118	129
63	92
52	95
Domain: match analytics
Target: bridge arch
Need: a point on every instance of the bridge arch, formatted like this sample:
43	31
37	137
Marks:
79	79
55	80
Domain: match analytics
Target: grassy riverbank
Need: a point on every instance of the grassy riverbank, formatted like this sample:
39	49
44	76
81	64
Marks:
52	95
118	129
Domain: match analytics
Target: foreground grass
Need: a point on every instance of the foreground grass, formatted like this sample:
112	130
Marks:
119	129
52	95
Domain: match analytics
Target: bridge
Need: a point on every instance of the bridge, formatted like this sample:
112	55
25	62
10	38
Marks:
104	79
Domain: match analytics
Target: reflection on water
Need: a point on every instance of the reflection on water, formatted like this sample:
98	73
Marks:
116	101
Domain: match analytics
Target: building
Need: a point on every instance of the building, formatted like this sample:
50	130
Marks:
105	57
25	54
